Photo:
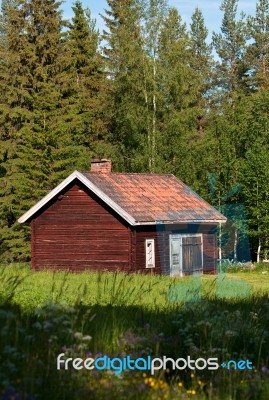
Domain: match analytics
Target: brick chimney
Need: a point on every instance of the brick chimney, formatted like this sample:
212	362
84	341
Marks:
103	166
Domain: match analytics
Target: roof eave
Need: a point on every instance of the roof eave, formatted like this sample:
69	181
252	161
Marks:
191	221
121	212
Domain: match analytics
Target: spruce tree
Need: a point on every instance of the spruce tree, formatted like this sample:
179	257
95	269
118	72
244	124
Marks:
38	144
176	96
125	58
255	174
155	13
13	98
90	90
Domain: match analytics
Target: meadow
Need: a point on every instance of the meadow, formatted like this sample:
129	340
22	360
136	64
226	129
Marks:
114	314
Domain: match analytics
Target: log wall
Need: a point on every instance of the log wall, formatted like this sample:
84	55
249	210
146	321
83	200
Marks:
76	231
162	251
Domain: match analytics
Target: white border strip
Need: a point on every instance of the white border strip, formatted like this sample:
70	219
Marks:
89	185
184	221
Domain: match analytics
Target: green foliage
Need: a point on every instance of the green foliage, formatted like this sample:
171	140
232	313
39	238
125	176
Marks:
90	88
258	49
152	99
230	46
37	113
177	99
125	65
88	315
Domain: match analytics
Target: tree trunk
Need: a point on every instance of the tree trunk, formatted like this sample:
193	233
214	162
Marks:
259	250
235	243
153	138
147	108
263	67
220	244
265	248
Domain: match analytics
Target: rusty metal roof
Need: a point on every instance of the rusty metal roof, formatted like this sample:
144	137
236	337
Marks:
148	198
140	198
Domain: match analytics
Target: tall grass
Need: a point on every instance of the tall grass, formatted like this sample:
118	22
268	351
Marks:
43	314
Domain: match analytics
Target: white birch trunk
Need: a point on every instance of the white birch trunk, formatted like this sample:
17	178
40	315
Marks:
259	250
235	243
220	249
153	139
147	106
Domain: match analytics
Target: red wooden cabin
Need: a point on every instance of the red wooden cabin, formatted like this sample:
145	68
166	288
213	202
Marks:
123	221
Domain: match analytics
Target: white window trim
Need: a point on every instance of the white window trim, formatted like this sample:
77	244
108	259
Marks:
152	242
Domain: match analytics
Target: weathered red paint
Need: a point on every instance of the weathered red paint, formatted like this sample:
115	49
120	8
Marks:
76	231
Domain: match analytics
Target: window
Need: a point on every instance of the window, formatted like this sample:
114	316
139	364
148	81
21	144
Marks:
150	253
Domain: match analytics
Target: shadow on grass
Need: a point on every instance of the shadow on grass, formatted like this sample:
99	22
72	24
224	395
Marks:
221	328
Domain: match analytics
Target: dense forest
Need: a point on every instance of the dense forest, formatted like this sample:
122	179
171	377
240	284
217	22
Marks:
150	93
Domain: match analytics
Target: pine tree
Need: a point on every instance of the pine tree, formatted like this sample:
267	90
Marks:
202	63
230	46
258	50
125	58
6	5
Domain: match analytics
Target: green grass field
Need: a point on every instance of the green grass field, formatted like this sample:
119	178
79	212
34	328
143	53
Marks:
43	314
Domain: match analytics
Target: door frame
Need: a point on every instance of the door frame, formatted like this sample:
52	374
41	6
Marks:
180	236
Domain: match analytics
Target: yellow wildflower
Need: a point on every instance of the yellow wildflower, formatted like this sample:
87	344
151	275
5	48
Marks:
191	391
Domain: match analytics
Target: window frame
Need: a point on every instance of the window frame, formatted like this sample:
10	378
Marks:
148	242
